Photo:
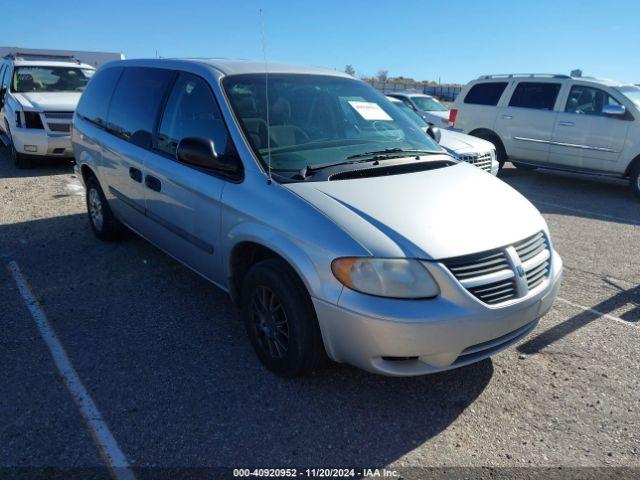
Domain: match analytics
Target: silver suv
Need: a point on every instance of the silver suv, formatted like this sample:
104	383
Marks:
336	225
560	122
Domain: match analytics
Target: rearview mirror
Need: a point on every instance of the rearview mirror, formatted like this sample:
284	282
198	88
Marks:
435	133
201	152
613	109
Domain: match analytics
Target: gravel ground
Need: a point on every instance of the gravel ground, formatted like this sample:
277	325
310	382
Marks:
167	363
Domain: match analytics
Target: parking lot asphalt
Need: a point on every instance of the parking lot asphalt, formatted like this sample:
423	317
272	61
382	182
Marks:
166	361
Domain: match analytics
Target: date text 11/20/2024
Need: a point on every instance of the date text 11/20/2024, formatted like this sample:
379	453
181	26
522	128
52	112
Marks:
315	472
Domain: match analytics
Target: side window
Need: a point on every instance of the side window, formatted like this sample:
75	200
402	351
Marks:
136	103
407	102
192	111
95	99
485	93
536	95
588	101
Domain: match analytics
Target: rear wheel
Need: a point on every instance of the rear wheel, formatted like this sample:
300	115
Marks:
280	319
104	224
501	154
635	179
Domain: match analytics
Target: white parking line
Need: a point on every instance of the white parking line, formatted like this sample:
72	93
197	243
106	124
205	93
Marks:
588	212
597	312
116	460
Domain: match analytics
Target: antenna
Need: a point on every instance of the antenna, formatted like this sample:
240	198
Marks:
266	94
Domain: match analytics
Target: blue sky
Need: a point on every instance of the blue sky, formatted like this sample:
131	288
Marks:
452	40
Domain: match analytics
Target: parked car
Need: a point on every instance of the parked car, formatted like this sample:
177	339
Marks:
466	148
578	124
37	100
336	225
428	107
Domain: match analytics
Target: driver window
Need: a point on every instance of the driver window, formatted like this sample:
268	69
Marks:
192	112
588	101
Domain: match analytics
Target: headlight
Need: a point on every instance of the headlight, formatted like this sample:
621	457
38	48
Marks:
32	120
385	277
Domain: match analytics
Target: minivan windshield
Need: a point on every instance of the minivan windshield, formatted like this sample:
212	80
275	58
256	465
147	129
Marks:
50	79
428	104
318	119
632	93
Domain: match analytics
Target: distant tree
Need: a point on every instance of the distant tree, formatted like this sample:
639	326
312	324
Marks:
349	70
383	76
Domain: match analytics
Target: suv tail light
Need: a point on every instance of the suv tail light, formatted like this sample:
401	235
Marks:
32	120
453	113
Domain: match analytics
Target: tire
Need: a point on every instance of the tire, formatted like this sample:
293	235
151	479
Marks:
104	224
19	160
634	179
501	154
524	167
280	319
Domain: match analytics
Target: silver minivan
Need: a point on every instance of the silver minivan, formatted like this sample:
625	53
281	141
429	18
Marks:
338	227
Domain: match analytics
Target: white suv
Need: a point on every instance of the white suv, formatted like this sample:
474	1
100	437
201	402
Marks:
38	96
579	124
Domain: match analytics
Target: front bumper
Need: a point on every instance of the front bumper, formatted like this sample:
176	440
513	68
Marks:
408	337
41	142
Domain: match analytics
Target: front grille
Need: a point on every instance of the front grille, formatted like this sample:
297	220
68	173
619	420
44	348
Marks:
480	160
60	127
59	115
493	277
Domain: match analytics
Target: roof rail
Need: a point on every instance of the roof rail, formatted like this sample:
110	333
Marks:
40	56
527	75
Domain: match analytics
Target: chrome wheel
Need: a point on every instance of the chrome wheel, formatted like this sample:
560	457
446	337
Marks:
95	209
269	322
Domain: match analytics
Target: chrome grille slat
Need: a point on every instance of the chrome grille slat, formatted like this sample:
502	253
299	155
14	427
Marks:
59	115
486	275
60	127
482	161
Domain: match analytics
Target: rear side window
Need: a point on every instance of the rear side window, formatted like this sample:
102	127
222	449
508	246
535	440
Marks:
136	103
192	111
485	93
94	102
536	95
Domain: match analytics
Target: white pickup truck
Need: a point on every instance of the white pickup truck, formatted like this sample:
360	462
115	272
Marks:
37	99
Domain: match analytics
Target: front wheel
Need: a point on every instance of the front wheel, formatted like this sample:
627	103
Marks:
19	160
280	319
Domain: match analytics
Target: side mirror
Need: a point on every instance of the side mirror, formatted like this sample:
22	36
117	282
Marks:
435	133
201	152
614	110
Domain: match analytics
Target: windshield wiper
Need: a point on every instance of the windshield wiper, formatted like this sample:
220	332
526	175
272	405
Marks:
384	153
373	156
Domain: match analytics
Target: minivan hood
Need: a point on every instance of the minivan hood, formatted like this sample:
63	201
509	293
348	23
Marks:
436	214
52	101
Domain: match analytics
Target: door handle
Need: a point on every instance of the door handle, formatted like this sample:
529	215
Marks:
567	124
153	183
135	174
507	117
